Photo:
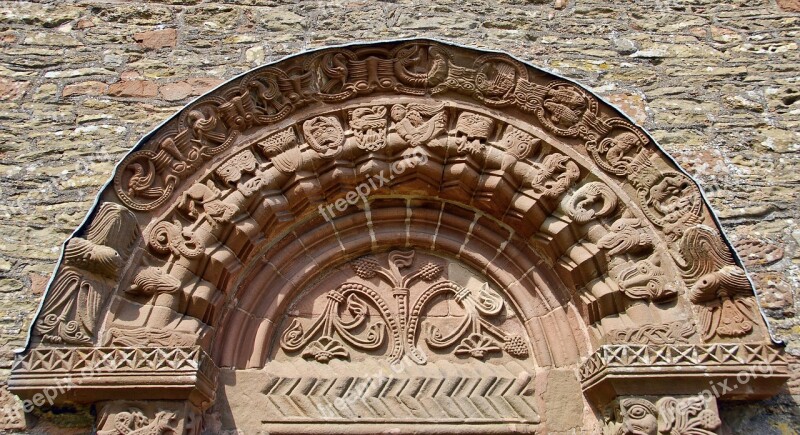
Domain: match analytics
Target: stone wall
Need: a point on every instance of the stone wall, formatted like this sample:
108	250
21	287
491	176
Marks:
716	85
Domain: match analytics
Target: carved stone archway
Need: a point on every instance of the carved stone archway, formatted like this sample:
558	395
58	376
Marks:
405	236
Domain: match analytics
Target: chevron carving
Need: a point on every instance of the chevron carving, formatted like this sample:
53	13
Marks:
438	393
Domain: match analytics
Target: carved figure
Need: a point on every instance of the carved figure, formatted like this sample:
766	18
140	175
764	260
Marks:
728	308
325	135
134	422
411	127
83	285
721	289
419	67
471	133
282	150
626	235
231	171
672	202
518	143
172	237
592	200
203	200
619	153
564	108
645	280
369	127
669	416
554	175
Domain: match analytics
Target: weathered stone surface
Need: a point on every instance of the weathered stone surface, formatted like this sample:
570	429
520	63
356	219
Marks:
133	88
12	90
156	38
85	88
789	5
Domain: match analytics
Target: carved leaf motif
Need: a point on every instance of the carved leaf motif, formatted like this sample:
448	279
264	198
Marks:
356	306
516	346
365	267
401	259
688	416
430	271
292	337
477	346
325	349
489	302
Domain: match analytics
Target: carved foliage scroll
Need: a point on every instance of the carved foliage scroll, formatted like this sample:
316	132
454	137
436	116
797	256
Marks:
346	319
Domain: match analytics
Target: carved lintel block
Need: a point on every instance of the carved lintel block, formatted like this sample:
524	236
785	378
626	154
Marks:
729	371
148	417
87	375
662	415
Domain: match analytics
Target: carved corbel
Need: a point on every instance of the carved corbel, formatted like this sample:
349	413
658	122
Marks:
148	418
681	415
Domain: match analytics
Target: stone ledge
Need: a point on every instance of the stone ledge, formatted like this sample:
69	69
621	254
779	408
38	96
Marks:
728	371
87	375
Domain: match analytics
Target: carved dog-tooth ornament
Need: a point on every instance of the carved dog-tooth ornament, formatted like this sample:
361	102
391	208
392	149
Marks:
580	231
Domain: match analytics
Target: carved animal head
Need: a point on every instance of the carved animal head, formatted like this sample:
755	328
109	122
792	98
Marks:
727	282
645	280
627	235
639	417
